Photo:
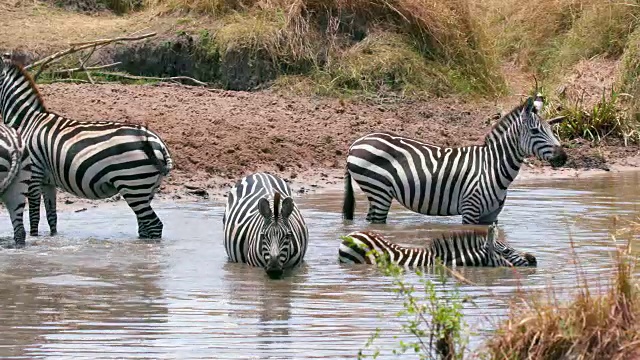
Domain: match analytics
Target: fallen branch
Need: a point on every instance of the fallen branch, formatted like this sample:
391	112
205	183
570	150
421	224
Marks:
70	81
90	68
108	41
136	77
75	47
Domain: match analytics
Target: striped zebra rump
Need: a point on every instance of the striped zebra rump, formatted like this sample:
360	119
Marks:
15	172
90	159
262	225
458	248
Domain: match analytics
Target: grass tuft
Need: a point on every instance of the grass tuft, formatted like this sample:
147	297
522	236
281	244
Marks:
381	62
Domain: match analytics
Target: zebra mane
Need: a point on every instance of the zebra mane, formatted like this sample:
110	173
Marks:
276	205
13	64
459	234
500	126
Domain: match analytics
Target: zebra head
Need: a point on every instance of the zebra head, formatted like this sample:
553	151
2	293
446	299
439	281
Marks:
506	252
276	235
536	137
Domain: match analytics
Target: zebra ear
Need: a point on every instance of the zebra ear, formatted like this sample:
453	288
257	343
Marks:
287	207
538	103
264	209
492	234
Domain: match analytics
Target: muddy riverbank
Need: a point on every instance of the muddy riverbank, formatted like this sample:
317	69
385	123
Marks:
216	137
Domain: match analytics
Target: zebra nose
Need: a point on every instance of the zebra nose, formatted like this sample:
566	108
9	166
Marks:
275	273
273	269
531	259
559	157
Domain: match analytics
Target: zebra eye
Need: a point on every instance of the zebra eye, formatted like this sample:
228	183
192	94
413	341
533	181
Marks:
535	131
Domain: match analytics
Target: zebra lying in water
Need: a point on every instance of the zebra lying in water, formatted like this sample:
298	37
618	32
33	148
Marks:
15	172
459	248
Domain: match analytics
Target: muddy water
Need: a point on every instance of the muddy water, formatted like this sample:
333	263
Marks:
94	291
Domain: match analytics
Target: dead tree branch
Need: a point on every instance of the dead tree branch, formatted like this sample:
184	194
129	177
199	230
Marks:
75	47
136	77
88	68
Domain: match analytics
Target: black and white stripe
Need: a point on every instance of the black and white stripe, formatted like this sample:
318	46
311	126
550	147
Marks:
15	172
263	226
92	160
459	248
471	181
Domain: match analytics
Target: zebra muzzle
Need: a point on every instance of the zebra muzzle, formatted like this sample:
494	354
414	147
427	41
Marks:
559	157
273	268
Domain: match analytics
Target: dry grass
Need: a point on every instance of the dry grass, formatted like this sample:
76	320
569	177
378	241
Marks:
382	62
549	36
629	74
322	33
591	326
42	29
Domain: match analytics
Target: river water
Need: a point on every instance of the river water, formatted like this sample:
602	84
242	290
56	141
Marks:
95	291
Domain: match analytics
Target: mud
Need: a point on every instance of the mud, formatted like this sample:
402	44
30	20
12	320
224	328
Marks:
218	136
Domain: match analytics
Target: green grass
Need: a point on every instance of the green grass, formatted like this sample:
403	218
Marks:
609	117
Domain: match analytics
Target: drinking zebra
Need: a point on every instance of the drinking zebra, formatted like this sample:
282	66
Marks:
471	181
459	248
262	225
92	160
15	171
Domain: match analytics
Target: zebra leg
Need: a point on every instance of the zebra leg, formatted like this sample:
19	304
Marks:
149	224
34	206
15	202
49	195
378	209
491	217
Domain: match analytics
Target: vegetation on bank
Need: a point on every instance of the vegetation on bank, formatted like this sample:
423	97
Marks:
407	48
592	325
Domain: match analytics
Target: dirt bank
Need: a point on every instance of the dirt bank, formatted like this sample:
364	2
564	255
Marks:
218	136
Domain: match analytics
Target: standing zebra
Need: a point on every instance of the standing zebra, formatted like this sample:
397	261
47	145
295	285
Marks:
92	160
262	225
15	171
471	181
460	248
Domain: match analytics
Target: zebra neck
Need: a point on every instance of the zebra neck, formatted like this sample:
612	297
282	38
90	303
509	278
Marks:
504	157
19	99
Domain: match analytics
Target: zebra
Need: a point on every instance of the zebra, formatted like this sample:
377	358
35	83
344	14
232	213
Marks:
15	172
460	248
263	226
471	181
89	159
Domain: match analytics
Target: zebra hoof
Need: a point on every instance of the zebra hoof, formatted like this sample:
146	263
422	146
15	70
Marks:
20	244
53	232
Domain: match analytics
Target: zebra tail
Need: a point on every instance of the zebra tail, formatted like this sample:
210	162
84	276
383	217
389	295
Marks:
164	168
349	204
13	170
